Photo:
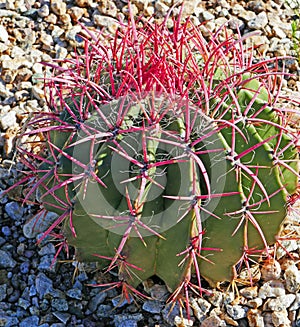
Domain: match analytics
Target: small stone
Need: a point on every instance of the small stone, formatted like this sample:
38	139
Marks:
3	34
96	300
25	304
58	7
259	22
44	11
140	4
9	120
104	311
109	8
51	19
292	278
83	3
72	33
249	292
6	260
6	231
279	32
16	63
280	303
119	301
237	9
127	320
216	298
159	292
256	6
198	313
43	285
64	317
161	7
296	304
206	16
272	288
254	303
47	40
280	318
3	47
3	294
47	263
38	93
13	209
74	293
49	248
60	304
149	11
76	13
153	306
270	270
255	318
236	311
32	321
212	321
24	267
182	322
108	22
247	15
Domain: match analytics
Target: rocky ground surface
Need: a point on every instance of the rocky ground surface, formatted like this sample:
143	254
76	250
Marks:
35	293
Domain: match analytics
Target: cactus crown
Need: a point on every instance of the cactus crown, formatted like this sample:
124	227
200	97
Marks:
166	154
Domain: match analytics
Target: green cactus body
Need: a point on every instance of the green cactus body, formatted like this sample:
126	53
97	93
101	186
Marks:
161	176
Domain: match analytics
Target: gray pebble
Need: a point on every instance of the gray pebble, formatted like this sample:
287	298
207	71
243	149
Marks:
59	304
96	300
43	285
8	321
48	249
47	263
8	120
38	224
62	316
25	304
120	301
272	288
44	11
259	22
104	311
74	293
153	306
3	288
14	209
6	261
127	320
236	312
279	303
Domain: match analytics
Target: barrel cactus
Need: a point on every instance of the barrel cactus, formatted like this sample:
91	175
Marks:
165	154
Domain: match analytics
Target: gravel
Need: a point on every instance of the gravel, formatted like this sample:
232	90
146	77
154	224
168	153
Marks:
35	291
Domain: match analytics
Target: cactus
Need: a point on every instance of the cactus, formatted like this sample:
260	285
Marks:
166	155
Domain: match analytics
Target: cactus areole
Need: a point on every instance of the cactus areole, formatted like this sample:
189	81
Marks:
166	154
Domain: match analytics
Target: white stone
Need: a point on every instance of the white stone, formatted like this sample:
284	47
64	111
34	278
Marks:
206	16
8	120
280	318
3	34
272	288
16	63
58	7
259	22
104	21
292	278
280	303
279	32
161	7
44	11
255	318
